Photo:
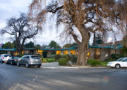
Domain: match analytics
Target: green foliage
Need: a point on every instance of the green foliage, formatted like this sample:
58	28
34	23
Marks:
72	58
53	44
93	62
70	45
37	46
29	45
67	46
57	57
50	60
124	50
62	61
8	45
116	56
45	60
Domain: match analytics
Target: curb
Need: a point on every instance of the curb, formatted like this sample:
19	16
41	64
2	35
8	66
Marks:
65	67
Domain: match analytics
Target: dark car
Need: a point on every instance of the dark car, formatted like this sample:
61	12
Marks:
13	61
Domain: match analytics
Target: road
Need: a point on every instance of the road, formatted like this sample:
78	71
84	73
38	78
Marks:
20	78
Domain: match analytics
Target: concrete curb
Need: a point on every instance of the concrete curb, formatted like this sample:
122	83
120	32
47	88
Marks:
55	65
67	67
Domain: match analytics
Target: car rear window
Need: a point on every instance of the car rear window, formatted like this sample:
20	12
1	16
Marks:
7	55
35	57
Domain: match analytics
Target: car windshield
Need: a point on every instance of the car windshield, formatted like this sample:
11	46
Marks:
7	55
35	57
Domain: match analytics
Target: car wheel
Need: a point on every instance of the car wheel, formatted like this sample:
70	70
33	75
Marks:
38	66
117	66
27	65
18	64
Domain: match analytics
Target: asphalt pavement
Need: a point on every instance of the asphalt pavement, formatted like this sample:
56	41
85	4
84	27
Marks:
21	78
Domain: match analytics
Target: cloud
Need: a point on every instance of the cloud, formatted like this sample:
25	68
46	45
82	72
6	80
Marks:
13	8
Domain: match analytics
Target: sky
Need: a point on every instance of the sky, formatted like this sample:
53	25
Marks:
13	8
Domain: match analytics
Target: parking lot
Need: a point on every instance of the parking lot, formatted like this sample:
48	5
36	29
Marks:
21	78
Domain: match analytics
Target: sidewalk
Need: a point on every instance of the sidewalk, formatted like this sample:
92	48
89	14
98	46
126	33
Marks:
55	65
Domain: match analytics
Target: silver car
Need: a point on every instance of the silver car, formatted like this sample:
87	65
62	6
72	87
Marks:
5	57
29	60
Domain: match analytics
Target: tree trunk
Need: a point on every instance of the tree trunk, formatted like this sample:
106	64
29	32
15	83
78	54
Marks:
19	51
83	47
82	54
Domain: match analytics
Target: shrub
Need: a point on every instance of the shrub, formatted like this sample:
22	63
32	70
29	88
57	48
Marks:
57	57
62	61
44	60
50	60
94	62
116	56
73	59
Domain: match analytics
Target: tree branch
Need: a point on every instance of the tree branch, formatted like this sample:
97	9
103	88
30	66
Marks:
75	36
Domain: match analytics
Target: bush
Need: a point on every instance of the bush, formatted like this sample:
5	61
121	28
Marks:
50	60
71	58
57	57
62	61
94	62
44	60
116	56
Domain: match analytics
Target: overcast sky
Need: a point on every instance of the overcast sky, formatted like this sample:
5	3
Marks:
13	8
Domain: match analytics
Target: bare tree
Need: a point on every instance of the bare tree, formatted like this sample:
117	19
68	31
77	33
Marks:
87	16
21	29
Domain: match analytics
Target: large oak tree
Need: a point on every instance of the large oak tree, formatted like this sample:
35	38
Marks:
86	16
21	29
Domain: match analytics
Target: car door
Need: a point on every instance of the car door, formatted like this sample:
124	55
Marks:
26	59
21	60
125	62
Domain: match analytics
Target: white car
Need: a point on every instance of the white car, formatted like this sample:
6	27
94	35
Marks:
119	63
4	57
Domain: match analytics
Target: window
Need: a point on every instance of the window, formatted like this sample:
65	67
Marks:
125	60
35	57
120	59
26	57
7	55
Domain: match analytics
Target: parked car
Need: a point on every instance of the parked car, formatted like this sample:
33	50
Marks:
1	60
29	60
5	57
13	61
119	63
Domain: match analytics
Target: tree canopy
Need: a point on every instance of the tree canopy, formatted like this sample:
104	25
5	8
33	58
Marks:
83	16
29	45
21	30
8	45
53	44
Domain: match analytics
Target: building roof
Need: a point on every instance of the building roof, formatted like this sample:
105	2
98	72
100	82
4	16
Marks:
118	46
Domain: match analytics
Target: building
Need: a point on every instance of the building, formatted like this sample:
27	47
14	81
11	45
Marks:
101	51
